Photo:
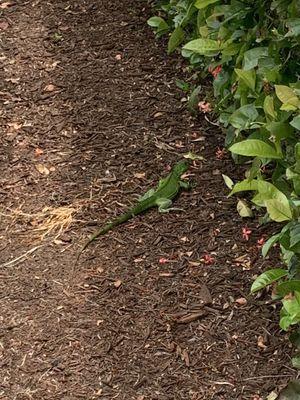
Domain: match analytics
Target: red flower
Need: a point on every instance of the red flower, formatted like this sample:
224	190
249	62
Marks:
246	233
163	260
260	242
215	72
204	107
208	259
220	153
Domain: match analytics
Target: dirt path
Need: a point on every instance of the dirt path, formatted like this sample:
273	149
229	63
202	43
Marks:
91	118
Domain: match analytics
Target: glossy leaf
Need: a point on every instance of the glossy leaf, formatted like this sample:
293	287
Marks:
204	3
254	148
252	57
269	244
293	26
228	181
203	46
296	122
248	77
244	186
279	211
288	287
243	209
243	117
267	278
287	96
269	107
291	392
175	39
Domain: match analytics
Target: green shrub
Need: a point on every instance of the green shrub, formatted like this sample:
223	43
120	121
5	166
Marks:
252	50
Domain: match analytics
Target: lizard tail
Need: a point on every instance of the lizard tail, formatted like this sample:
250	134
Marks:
123	218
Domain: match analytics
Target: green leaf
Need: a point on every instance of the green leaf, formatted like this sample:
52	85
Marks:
279	211
205	47
244	186
175	39
267	191
193	156
243	117
296	122
252	57
267	278
254	148
194	99
248	77
269	107
296	362
243	209
293	26
287	96
231	49
285	322
295	338
204	3
285	288
228	182
269	243
294	235
291	392
281	130
158	22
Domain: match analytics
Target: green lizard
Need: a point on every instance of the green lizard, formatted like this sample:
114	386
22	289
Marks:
160	197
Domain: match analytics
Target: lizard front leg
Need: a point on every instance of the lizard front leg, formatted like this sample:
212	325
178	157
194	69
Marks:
164	205
185	185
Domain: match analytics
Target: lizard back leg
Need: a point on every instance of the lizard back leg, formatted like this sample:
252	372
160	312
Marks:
164	205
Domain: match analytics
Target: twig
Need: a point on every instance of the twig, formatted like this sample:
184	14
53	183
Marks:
267	376
21	258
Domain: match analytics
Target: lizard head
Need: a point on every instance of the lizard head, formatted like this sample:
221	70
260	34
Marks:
180	168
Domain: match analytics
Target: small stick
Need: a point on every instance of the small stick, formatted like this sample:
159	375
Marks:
20	258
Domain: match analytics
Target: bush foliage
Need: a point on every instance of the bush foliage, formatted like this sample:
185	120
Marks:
252	50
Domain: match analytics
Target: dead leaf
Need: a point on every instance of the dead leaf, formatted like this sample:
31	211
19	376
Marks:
140	175
166	274
42	169
12	80
261	342
244	261
3	25
15	126
49	88
38	152
185	357
138	260
241	301
58	241
194	263
204	295
117	283
5	5
184	239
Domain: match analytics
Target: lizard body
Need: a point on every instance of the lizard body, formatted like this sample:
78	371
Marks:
160	197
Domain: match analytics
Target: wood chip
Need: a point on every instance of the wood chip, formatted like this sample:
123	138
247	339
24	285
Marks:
185	319
117	283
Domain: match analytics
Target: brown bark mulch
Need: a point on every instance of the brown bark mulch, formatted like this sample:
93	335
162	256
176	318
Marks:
90	119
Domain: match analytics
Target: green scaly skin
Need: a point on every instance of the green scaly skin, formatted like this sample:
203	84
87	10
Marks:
167	190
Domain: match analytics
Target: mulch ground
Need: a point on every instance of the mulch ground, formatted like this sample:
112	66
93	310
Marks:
90	119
